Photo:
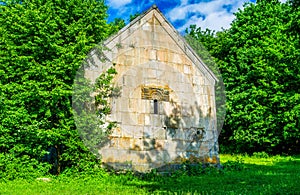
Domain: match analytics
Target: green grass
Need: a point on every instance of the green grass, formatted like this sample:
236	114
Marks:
258	174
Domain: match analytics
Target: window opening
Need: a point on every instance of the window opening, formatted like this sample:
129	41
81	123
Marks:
155	107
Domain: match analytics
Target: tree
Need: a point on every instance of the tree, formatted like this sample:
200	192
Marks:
259	61
42	44
134	16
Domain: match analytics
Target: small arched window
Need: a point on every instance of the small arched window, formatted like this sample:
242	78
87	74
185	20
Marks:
155	106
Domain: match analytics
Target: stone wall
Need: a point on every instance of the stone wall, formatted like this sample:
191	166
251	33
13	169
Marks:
166	109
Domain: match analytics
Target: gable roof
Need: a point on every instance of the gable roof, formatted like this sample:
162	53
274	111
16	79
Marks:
171	31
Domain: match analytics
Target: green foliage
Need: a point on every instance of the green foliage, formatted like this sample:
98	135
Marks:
195	38
42	44
90	111
21	167
261	155
134	16
104	91
259	60
206	37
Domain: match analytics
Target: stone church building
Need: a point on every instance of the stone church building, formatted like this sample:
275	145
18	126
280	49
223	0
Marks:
166	110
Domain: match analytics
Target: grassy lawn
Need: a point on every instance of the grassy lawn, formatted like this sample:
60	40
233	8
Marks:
241	175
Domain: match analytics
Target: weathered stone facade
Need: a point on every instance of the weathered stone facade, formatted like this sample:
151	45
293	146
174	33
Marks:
166	110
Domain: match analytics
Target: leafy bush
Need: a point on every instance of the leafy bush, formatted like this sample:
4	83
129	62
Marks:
258	57
22	167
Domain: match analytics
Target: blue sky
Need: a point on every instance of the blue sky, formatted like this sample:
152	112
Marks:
212	14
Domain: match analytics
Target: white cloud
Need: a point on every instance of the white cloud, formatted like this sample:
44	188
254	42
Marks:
216	15
178	13
184	2
124	8
118	3
214	21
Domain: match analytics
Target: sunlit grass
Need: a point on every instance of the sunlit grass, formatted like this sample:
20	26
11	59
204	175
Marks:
259	159
242	174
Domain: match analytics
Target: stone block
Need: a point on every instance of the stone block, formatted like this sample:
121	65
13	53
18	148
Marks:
129	118
176	58
137	131
159	144
160	133
171	133
193	146
162	44
159	73
198	90
142	167
149	143
156	120
205	99
182	87
124	142
170	146
153	65
120	59
133	104
152	54
162	55
186	69
207	81
146	27
130	80
148	132
114	155
128	130
119	105
136	144
116	132
151	73
141	119
147	119
113	142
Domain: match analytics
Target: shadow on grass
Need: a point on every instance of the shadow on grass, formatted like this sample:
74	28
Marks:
282	177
